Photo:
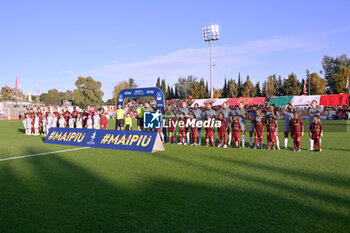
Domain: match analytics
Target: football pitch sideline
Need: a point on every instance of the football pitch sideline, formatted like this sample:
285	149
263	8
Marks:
182	189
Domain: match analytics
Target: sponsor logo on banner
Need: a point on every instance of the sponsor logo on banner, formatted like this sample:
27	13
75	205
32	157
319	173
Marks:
109	139
91	142
209	101
152	120
159	96
120	97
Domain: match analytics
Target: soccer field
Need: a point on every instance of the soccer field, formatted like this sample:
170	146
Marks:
182	189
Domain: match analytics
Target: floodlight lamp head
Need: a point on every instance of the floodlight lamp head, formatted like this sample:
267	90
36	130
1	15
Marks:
211	33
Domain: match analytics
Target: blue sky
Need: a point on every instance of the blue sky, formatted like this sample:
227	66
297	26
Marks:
51	43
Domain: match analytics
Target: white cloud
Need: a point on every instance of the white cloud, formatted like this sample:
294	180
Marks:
196	61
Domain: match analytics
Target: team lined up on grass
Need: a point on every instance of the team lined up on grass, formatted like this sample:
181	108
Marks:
40	122
233	125
232	130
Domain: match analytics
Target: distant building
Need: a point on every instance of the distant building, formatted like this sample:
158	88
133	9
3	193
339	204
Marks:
13	109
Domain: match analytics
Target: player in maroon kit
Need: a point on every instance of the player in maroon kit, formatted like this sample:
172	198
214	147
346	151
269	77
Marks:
182	129
271	132
40	115
236	129
193	129
172	127
297	131
75	113
222	131
103	118
316	130
259	129
66	115
209	131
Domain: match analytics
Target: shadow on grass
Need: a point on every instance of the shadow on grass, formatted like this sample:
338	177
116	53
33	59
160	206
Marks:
57	195
313	177
330	198
21	130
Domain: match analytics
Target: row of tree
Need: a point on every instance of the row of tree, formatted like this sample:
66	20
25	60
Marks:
336	80
12	94
190	86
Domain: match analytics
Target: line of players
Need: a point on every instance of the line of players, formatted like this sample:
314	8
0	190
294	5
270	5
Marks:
233	126
40	122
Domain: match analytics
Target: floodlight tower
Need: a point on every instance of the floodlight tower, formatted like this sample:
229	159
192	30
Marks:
210	34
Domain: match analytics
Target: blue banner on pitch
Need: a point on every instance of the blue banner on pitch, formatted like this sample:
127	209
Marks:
109	139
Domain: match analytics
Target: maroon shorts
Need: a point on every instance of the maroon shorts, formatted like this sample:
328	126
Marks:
259	133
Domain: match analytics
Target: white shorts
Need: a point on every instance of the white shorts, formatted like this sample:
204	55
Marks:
96	127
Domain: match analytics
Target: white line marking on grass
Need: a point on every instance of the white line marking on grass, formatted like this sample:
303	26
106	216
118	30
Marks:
45	153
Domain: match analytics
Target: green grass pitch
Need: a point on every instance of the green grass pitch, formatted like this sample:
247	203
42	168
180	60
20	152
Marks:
182	189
